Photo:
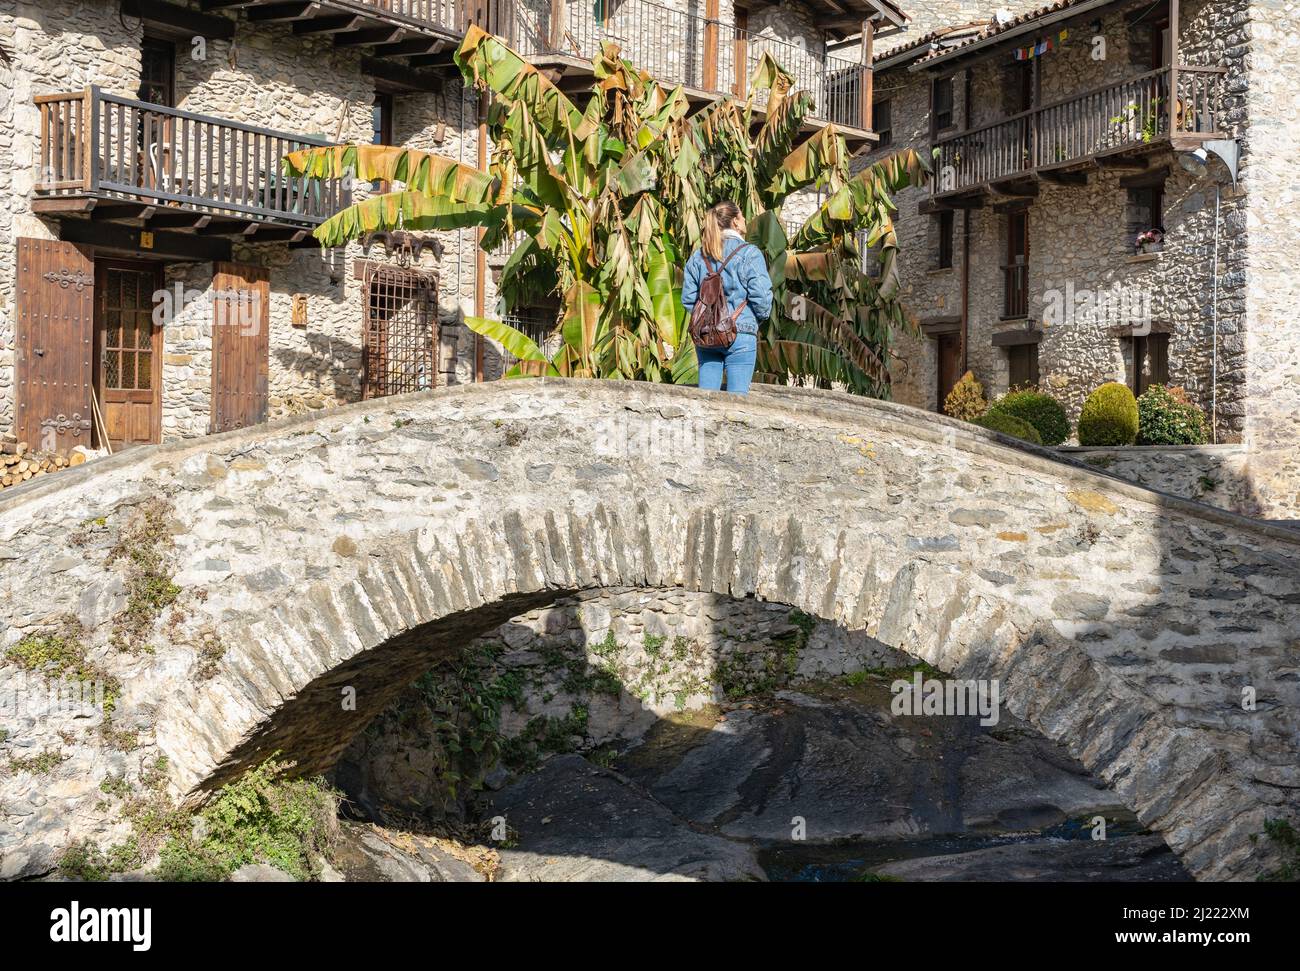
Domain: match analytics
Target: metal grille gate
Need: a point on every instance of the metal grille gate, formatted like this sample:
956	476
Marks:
400	339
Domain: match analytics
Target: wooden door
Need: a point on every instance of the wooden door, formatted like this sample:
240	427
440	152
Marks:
241	344
128	372
948	350
55	345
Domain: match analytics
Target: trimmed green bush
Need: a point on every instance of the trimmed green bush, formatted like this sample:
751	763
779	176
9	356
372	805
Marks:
1109	416
1166	416
1038	408
1000	421
966	400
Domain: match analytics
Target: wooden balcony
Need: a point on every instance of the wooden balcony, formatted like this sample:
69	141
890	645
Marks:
112	159
705	55
1110	124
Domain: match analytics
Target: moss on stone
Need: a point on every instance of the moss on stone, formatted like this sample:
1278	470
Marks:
145	546
43	763
62	655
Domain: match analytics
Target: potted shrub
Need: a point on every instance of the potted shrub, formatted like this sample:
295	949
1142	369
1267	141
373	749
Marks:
1039	409
1166	416
1109	416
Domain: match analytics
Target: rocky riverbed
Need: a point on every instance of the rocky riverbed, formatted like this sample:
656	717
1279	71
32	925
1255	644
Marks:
823	783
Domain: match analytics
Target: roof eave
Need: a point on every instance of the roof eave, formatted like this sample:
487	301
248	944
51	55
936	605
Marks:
1028	27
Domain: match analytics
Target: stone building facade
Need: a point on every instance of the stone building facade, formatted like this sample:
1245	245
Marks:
327	76
1028	270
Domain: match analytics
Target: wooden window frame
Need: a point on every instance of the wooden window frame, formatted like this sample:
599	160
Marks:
1016	270
946	222
884	133
950	112
159	45
384	104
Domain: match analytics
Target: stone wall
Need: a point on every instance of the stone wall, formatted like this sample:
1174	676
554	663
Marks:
48	47
272	78
1215	474
1272	338
1079	241
589	671
342	554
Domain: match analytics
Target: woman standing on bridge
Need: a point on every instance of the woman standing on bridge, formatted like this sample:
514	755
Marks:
727	291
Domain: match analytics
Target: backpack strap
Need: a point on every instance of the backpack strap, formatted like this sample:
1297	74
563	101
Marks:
731	254
727	259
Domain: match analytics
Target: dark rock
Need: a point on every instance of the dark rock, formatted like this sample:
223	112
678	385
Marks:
1131	858
579	822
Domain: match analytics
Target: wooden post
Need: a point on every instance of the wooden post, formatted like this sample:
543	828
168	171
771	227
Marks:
710	81
1173	68
741	53
868	76
559	10
83	134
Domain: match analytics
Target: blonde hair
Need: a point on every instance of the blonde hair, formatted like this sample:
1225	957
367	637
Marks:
720	217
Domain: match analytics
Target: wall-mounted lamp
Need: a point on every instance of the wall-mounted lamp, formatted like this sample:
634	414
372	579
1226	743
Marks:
1196	161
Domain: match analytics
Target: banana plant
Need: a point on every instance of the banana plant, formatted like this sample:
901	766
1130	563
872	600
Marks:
609	196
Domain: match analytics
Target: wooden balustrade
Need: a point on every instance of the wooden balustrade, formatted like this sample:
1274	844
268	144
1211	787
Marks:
1108	119
677	47
97	143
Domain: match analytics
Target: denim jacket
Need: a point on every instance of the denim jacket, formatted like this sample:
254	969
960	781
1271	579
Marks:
744	277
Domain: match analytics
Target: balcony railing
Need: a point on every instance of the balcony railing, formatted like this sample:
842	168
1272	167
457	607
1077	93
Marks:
100	144
677	47
450	14
1015	291
1109	119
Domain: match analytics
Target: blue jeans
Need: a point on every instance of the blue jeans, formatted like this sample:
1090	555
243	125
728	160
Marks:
737	360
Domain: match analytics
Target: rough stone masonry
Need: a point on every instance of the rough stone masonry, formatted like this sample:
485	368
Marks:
322	563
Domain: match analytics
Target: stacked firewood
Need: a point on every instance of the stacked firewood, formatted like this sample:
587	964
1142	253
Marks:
18	463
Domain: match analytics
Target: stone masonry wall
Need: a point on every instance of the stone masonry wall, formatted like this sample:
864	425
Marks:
353	548
1214	474
1080	242
1272	351
269	77
47	47
597	669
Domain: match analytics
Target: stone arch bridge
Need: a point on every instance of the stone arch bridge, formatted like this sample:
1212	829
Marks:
337	554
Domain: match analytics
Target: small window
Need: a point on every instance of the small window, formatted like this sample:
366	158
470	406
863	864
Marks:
941	104
1022	365
381	129
882	122
944	224
1018	87
1150	361
158	72
1146	210
399	351
1016	270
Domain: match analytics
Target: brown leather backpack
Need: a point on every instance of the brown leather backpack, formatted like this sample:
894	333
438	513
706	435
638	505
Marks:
712	323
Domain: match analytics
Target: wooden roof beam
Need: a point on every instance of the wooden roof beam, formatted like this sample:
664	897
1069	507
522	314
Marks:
279	12
374	35
326	25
